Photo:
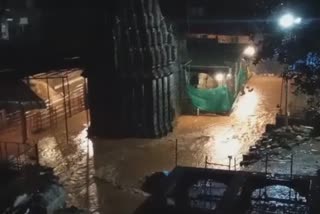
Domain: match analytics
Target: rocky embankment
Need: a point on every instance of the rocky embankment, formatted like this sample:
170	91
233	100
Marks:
275	141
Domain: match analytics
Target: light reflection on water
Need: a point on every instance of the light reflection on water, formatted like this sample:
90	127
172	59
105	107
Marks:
209	189
135	158
247	107
84	142
278	199
234	137
49	151
224	146
73	163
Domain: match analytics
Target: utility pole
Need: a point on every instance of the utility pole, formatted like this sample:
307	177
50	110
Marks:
65	109
286	109
286	101
23	123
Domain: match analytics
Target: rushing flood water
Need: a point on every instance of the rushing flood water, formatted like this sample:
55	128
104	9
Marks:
120	165
225	136
206	194
278	199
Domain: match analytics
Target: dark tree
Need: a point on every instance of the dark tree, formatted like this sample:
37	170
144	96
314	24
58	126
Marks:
298	47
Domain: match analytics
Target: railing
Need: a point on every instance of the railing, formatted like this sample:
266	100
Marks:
19	153
38	120
268	159
207	162
228	166
49	117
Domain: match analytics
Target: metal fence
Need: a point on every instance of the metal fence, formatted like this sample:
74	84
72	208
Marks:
39	120
19	153
232	162
287	159
58	108
233	165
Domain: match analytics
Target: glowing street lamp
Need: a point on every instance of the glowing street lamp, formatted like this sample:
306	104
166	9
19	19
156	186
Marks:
219	77
250	51
288	21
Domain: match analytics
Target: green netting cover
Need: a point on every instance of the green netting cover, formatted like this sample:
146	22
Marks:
219	99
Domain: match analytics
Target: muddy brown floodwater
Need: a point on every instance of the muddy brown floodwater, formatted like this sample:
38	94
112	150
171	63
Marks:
116	167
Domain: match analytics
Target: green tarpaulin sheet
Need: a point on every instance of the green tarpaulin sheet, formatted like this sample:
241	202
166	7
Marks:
219	99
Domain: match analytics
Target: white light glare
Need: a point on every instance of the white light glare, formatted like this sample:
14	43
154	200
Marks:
219	77
287	21
229	76
298	20
250	51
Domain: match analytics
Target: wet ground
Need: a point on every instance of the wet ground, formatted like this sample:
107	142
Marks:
114	169
305	160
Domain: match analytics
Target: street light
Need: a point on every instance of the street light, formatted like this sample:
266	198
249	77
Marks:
219	77
288	21
250	51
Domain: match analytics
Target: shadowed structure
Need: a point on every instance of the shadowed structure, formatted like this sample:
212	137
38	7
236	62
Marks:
131	72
